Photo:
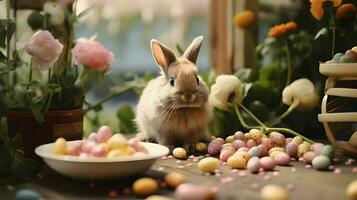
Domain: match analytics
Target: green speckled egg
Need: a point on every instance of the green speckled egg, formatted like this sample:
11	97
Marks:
337	57
346	59
328	151
321	162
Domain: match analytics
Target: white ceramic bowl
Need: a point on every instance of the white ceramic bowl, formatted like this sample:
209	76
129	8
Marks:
101	168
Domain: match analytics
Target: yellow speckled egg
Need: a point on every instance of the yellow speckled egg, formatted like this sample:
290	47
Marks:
243	154
117	141
273	192
209	164
303	148
60	147
274	149
145	186
237	162
174	179
255	134
297	139
179	153
351	190
201	147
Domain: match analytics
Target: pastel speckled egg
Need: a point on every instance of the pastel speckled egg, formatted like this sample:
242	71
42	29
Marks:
255	134
174	179
352	55
309	156
243	149
282	158
60	147
208	164
267	163
351	190
277	138
346	59
201	147
321	162
145	186
298	140
92	137
237	162
238	144
267	142
27	194
337	57
274	192
303	148
239	135
317	147
104	133
215	146
224	155
251	143
189	191
328	151
117	141
230	139
275	149
244	154
158	197
291	149
253	165
179	153
254	151
263	150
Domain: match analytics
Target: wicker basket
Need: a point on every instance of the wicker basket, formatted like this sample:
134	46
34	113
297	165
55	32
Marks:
339	105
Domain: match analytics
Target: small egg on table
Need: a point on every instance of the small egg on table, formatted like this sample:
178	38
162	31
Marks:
274	192
60	147
351	190
253	165
201	147
321	162
282	158
208	164
267	163
215	146
189	191
237	162
145	186
174	179
179	153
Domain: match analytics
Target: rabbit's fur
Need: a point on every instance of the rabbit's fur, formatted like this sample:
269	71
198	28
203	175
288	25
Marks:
173	109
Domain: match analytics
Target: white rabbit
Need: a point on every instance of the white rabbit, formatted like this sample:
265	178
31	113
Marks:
173	109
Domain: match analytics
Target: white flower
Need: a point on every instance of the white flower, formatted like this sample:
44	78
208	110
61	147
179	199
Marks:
303	91
56	12
225	86
44	49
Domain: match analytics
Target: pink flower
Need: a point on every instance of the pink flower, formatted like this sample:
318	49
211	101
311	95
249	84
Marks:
92	54
44	49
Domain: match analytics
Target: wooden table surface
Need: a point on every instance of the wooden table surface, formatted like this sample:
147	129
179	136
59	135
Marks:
306	183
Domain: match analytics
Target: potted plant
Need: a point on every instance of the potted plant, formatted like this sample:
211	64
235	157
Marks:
47	102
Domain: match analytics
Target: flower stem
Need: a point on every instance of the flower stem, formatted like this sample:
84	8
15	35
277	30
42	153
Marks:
288	62
252	116
292	107
241	120
30	72
286	130
49	102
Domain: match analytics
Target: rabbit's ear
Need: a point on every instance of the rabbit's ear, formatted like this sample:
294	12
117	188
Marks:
191	53
163	55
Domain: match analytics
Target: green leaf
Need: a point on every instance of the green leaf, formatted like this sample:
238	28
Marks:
11	28
322	32
126	118
35	20
179	49
84	12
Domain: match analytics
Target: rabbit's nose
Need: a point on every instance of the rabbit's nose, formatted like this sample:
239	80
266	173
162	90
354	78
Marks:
187	97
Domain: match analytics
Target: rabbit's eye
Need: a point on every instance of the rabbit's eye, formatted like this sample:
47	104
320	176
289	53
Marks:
198	80
172	81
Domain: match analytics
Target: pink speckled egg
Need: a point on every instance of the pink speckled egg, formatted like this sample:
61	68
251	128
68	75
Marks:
291	149
74	148
288	140
92	137
239	135
278	138
316	147
88	146
243	149
251	143
267	163
253	165
104	133
134	142
267	142
282	158
238	144
224	155
309	156
99	151
215	146
263	150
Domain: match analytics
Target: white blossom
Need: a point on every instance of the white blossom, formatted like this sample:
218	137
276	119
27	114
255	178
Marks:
225	86
303	91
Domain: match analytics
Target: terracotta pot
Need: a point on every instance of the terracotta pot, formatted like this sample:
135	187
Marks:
67	124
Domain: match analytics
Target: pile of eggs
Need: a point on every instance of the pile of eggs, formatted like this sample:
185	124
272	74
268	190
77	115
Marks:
256	151
350	56
100	144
